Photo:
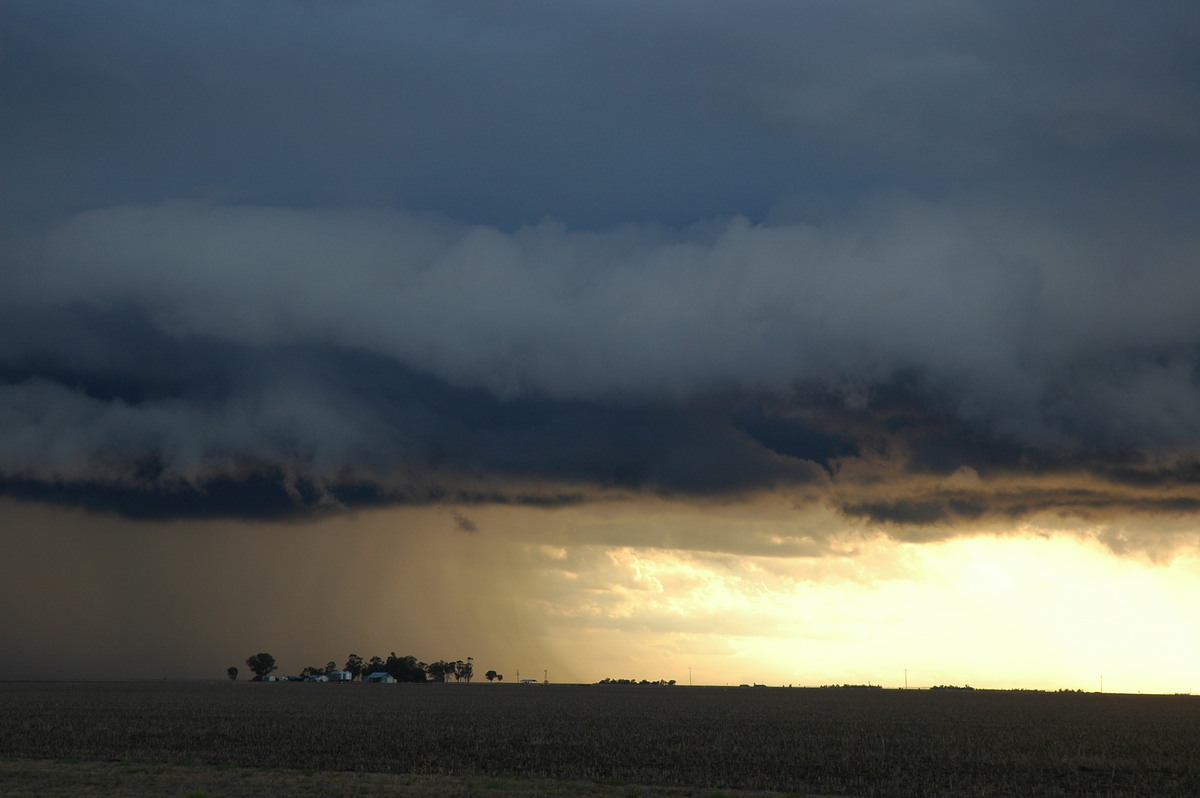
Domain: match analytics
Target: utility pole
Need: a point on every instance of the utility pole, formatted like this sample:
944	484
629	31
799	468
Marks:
689	675
906	678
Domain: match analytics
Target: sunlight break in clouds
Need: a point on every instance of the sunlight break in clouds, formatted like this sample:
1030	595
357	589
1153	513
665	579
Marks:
1038	609
1042	608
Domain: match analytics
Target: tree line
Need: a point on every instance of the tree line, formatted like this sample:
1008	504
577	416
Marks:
642	683
402	669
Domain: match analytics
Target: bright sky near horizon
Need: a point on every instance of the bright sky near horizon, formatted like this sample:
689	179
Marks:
781	342
573	591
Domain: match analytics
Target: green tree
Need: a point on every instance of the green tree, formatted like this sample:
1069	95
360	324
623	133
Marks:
232	672
261	664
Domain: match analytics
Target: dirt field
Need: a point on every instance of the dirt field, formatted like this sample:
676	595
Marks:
57	779
591	740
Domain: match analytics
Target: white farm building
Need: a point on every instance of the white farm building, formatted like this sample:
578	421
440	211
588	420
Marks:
382	677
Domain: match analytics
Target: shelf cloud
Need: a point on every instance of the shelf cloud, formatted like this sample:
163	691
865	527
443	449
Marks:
925	268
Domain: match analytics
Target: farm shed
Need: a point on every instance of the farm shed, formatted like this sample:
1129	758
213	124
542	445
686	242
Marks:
340	676
381	677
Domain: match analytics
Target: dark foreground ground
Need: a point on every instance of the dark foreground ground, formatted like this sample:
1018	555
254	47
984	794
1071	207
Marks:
600	740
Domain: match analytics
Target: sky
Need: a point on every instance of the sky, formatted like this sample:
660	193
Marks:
766	342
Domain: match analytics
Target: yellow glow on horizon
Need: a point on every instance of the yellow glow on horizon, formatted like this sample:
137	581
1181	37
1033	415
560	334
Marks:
745	593
1036	610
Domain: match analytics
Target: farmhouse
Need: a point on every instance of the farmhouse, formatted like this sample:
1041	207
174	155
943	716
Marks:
381	677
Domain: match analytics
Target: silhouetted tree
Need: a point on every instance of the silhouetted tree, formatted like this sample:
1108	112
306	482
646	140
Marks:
438	671
232	672
313	671
355	665
261	664
490	675
463	671
405	669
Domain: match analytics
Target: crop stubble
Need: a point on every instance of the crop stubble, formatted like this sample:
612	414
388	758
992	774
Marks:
861	742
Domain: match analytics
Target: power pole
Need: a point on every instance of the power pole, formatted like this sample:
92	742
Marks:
689	675
906	678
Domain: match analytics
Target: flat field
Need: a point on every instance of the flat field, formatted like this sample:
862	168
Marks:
826	741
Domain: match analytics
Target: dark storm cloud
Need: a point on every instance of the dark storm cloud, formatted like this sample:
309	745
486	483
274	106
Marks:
596	115
264	259
496	113
260	431
464	524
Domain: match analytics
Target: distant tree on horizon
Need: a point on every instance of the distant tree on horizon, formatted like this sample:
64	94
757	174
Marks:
261	664
438	671
232	673
405	669
635	682
490	675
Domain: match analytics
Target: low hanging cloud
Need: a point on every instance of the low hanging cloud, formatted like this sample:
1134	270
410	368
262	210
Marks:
196	358
929	267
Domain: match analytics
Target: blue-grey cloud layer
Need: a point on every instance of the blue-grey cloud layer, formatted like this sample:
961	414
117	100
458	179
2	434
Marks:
529	252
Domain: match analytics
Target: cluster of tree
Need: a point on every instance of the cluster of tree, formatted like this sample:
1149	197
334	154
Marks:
659	683
313	671
951	687
851	687
402	669
410	669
